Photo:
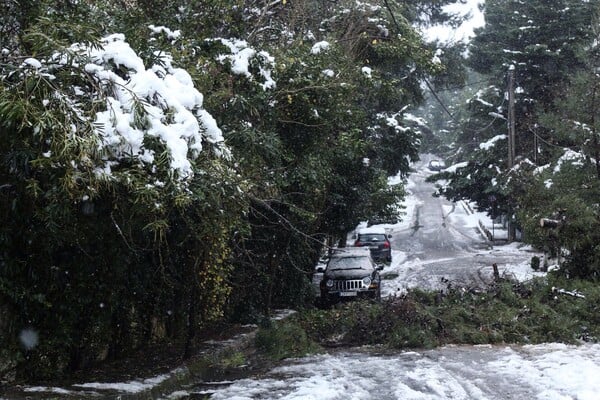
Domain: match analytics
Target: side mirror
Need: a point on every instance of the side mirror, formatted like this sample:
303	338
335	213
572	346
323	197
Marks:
354	236
389	236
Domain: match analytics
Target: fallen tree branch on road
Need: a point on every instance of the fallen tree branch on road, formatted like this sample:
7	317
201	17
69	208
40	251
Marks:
573	293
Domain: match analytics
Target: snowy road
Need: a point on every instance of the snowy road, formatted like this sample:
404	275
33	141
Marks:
438	244
544	372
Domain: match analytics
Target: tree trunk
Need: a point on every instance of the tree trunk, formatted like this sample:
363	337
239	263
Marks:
191	323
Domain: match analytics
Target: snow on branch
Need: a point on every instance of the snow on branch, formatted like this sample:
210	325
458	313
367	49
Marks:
244	59
142	103
569	157
492	142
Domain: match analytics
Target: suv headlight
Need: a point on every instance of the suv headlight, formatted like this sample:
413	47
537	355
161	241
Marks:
329	283
366	281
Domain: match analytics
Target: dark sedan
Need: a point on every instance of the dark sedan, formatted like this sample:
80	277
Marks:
377	240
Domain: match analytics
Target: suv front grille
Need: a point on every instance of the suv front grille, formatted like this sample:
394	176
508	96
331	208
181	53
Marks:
343	286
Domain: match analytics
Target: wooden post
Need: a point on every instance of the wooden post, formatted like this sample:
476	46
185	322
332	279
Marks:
496	272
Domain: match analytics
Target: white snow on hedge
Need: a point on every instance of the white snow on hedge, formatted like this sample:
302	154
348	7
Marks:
482	101
540	169
173	35
436	57
391	120
455	167
367	71
32	62
319	47
242	58
413	118
159	102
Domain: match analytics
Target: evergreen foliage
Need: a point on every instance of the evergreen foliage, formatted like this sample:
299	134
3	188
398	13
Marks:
553	48
107	246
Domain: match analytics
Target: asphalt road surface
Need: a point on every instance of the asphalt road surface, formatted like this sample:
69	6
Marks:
440	243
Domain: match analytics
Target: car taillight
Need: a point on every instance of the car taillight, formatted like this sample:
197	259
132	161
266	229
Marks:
386	245
357	243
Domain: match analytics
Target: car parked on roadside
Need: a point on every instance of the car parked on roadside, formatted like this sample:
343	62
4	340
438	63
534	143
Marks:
436	165
377	240
382	220
350	273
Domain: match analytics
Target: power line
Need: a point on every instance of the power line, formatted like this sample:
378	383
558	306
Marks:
387	5
440	100
433	92
537	135
463	85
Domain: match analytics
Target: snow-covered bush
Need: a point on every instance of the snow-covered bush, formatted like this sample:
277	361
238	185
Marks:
117	200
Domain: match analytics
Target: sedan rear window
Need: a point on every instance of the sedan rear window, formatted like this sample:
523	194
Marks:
371	237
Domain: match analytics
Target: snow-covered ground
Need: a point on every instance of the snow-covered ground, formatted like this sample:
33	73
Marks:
95	389
513	259
544	372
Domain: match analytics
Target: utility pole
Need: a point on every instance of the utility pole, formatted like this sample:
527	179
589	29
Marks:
511	117
511	138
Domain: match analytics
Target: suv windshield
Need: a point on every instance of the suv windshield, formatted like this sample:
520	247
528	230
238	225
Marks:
353	262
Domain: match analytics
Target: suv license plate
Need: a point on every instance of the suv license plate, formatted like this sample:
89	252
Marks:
347	294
